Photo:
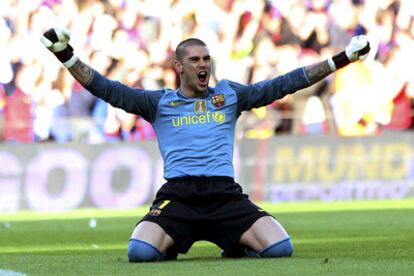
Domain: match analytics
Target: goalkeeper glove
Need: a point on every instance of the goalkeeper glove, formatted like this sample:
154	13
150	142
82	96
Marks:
57	41
357	49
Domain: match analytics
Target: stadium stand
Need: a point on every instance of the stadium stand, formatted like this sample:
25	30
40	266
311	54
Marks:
250	40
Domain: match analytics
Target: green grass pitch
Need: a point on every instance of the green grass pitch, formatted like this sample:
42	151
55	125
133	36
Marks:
343	238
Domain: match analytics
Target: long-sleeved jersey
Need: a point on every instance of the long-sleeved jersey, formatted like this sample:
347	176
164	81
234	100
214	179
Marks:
196	135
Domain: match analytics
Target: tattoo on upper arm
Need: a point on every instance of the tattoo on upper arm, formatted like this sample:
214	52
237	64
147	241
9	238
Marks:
81	72
317	72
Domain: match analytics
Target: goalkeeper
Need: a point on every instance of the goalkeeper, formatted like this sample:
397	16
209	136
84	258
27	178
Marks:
195	130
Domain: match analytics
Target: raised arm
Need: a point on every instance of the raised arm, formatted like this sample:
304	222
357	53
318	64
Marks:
265	92
82	72
136	101
57	41
317	71
357	49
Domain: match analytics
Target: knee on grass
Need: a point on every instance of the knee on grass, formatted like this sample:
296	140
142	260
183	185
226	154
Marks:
140	251
283	248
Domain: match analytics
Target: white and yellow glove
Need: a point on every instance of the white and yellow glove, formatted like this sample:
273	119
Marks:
357	49
57	41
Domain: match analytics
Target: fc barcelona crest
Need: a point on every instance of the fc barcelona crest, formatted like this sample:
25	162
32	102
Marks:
218	100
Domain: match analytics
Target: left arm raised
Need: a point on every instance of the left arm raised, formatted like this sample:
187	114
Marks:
317	71
357	49
265	92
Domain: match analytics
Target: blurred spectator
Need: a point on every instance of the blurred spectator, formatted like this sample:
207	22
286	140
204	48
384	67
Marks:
133	40
18	117
311	104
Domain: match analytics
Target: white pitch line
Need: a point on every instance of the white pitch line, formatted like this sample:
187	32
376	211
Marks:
11	273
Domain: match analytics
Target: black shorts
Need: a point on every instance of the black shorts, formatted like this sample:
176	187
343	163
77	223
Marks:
214	209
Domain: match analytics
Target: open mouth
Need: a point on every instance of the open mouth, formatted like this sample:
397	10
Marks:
202	77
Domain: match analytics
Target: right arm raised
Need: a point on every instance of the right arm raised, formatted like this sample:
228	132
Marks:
82	72
136	101
57	41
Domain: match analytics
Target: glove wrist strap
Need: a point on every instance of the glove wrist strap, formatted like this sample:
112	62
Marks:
338	61
70	62
65	55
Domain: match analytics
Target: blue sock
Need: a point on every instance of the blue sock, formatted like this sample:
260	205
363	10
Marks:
140	251
283	248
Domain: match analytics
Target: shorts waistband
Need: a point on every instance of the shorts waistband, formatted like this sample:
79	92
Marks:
200	179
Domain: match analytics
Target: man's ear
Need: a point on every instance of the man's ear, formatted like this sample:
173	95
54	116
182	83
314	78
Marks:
178	67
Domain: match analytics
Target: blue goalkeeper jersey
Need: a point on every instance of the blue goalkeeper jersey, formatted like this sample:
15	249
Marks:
196	135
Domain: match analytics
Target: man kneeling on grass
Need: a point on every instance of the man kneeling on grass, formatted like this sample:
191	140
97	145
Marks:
195	130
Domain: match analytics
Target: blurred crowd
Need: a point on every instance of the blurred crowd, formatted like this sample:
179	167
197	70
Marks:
133	41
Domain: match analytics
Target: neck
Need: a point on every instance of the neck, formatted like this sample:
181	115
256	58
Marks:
190	93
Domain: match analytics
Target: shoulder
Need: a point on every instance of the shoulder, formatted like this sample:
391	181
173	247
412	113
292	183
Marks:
167	94
224	94
153	94
230	86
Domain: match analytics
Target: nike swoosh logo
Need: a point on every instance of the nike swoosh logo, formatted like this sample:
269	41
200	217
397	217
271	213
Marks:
175	103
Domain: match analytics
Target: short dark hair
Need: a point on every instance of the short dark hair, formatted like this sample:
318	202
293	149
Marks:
182	46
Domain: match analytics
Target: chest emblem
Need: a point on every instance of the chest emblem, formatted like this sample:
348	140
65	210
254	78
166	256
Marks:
219	117
218	100
200	106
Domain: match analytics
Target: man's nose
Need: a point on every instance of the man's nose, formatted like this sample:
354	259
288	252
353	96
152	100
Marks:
203	64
